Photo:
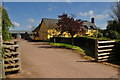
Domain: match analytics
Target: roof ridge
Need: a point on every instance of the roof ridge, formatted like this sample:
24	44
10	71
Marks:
50	18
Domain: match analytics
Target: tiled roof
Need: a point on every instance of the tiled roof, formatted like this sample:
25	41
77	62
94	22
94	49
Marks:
37	28
89	25
51	23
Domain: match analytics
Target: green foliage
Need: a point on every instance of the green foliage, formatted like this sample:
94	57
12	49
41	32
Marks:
114	26
101	38
2	51
6	25
100	35
113	34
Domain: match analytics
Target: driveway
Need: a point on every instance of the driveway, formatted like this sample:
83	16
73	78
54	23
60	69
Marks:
40	60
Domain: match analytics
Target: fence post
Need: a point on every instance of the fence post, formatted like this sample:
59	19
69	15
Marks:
96	50
2	74
119	73
54	39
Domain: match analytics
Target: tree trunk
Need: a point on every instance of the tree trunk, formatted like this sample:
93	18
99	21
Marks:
72	41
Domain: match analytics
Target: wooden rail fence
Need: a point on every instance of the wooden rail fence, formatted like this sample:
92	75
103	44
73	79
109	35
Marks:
104	50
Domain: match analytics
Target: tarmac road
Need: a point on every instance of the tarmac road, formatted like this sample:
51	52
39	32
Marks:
40	60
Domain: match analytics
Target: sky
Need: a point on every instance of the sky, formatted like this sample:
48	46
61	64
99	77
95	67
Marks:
28	15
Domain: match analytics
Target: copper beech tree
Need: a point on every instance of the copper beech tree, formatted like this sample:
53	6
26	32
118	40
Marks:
69	24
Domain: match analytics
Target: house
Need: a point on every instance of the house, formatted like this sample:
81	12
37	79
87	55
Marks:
46	29
35	33
90	27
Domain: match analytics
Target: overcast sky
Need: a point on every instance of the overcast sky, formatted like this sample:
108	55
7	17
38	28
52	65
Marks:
24	15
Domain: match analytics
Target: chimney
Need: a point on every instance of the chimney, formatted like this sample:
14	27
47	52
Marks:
92	20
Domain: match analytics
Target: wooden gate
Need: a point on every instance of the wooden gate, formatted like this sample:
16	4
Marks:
103	50
11	57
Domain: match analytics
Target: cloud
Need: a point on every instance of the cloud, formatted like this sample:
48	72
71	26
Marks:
31	20
102	26
49	9
29	26
89	13
16	24
68	1
96	16
101	16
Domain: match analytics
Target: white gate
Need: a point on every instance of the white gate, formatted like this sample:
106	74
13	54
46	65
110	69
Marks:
103	50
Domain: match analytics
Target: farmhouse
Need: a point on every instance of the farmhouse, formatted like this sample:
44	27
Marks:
46	29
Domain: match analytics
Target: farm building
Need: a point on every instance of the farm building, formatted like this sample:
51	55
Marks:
46	29
22	34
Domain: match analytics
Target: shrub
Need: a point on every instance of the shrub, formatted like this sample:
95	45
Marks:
113	34
6	25
100	35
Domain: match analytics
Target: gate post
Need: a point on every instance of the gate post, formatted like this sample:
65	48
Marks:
96	49
2	74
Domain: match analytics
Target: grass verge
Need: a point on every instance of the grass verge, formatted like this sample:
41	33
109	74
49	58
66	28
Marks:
84	52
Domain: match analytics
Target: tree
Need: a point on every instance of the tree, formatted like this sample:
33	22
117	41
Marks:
116	11
6	25
113	26
69	24
113	34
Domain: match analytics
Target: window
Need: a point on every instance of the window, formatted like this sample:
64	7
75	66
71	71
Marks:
91	27
86	28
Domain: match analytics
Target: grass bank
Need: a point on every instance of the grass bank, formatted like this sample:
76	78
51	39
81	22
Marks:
84	52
